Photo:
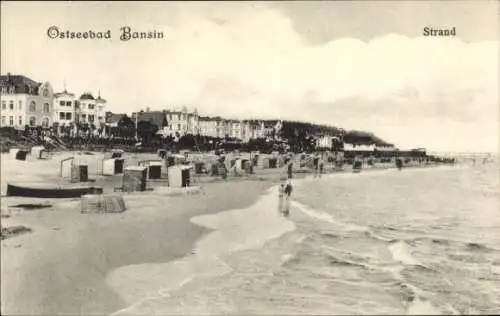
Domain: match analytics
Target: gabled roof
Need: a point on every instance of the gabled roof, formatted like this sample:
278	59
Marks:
206	119
21	84
115	117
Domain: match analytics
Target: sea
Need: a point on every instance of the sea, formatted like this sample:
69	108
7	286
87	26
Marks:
416	241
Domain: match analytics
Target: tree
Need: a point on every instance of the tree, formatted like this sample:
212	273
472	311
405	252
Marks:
126	127
55	128
92	129
146	131
69	129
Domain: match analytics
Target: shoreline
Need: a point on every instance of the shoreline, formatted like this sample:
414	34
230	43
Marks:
68	255
205	260
231	231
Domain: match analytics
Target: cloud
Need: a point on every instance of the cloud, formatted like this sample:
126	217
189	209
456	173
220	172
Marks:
249	61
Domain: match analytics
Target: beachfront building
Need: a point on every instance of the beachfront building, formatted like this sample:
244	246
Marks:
324	141
354	147
182	122
207	126
256	129
90	110
64	109
223	127
245	131
25	102
234	129
193	123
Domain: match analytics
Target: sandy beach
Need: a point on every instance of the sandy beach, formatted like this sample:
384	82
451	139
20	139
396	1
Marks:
61	267
94	264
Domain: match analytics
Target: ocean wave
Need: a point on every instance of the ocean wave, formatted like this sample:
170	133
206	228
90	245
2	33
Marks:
235	231
325	217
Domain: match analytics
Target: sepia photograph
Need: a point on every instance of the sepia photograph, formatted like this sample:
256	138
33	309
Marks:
250	157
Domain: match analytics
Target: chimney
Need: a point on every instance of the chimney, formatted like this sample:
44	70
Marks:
147	109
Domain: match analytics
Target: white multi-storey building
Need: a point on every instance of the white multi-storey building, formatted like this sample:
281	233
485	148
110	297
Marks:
234	129
90	110
64	108
182	122
256	129
25	102
207	126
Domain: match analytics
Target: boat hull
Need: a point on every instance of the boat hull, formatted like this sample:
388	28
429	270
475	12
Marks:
55	193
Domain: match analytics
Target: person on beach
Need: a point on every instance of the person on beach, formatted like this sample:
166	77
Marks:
289	166
321	166
287	196
285	192
316	164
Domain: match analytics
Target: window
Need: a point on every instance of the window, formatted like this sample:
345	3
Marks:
4	105
32	106
20	106
178	127
3	120
11	120
170	116
46	108
68	103
32	121
61	115
77	118
11	105
100	118
4	90
45	122
91	118
84	117
77	104
20	121
68	115
12	89
61	103
91	106
45	92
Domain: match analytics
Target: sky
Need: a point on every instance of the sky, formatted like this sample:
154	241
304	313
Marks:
359	65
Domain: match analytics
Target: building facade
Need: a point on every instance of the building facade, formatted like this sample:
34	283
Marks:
64	108
25	102
207	126
90	110
182	122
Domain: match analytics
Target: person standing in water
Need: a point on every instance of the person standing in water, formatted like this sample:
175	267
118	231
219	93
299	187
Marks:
321	166
285	192
287	196
289	166
316	164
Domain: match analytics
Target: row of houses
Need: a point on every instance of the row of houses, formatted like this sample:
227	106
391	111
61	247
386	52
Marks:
27	102
181	122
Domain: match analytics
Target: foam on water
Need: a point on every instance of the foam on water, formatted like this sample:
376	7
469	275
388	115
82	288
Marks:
320	215
401	253
235	230
386	255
